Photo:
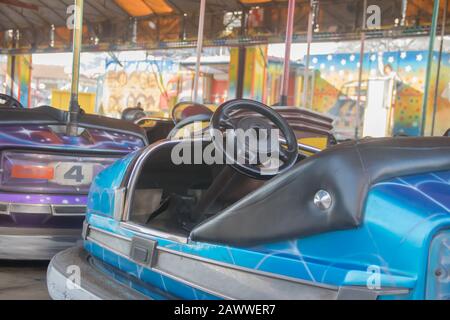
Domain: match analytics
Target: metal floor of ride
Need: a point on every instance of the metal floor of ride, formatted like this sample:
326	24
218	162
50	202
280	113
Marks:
21	280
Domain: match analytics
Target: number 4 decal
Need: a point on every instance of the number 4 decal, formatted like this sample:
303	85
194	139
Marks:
74	173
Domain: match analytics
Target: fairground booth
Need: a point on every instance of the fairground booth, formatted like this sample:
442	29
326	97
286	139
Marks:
389	61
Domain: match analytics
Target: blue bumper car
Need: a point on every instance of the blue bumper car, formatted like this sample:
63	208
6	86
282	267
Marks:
366	219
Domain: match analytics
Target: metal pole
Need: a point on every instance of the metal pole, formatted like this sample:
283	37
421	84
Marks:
360	73
74	108
429	64
15	45
438	74
201	23
241	59
404	10
134	31
308	53
287	53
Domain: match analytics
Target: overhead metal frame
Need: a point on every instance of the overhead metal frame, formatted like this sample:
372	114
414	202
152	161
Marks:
99	13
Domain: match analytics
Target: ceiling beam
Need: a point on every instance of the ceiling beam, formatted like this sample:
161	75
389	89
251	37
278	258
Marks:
11	20
100	12
20	14
55	12
20	4
103	7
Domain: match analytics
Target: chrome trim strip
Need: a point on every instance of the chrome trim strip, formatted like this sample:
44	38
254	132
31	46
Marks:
164	267
92	238
84	230
164	251
364	293
193	285
54	213
237	283
152	232
304	288
89	227
47	209
30	208
210	261
119	202
8	210
258	272
308	148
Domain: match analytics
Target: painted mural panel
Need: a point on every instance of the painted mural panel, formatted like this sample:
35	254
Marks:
336	89
148	84
22	78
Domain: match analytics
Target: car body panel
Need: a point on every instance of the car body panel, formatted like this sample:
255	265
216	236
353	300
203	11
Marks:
44	137
51	208
401	217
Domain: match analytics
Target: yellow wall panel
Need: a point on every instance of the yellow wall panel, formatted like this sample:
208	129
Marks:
61	100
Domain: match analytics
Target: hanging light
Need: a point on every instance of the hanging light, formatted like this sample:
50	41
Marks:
52	35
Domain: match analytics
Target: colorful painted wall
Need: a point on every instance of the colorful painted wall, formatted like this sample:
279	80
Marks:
254	73
150	84
263	76
336	88
442	118
21	82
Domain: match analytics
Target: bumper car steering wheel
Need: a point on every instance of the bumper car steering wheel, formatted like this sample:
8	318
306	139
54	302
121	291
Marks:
7	101
283	155
187	113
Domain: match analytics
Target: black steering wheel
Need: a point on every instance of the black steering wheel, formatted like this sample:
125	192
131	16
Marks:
271	155
9	102
186	113
185	109
133	114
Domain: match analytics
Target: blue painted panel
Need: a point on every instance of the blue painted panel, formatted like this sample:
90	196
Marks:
402	216
101	193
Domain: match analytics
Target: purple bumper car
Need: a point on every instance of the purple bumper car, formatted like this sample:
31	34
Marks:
45	175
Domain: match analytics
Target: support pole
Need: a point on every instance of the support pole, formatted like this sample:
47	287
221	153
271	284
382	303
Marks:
287	53
404	11
241	72
308	54
360	71
15	45
74	108
438	73
201	23
134	31
242	51
429	64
